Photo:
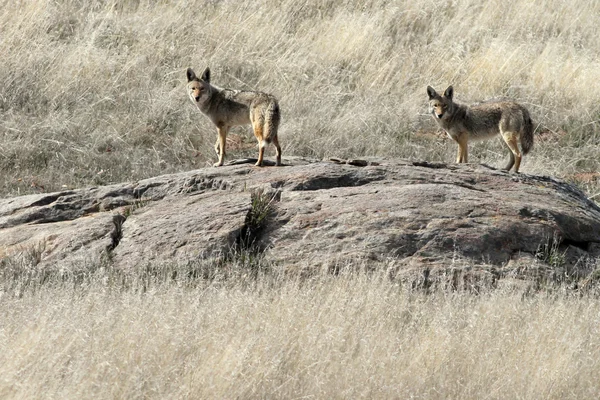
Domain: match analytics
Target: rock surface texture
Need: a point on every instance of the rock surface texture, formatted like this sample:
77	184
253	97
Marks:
395	214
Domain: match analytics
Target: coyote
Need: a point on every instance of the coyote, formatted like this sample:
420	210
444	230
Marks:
482	121
227	108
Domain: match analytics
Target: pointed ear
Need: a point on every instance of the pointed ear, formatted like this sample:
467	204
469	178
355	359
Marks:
449	92
431	92
206	75
190	75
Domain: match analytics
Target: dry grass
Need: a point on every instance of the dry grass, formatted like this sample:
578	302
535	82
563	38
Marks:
93	92
346	336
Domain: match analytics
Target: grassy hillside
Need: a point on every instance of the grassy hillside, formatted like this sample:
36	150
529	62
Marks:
93	92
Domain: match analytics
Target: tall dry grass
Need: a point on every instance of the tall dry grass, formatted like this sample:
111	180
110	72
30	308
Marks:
354	335
93	92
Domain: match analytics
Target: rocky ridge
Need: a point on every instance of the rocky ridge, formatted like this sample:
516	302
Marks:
406	216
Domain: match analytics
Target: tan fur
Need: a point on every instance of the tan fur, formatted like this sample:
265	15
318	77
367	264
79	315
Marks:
227	108
482	121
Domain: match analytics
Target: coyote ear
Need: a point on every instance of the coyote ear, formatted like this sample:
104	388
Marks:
190	75
449	92
431	92
206	75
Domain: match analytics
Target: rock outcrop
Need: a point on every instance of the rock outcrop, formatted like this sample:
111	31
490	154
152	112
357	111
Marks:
395	214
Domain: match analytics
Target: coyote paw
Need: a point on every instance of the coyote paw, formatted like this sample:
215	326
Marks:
218	164
258	164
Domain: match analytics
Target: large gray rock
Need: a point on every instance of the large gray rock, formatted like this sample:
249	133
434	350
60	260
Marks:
396	214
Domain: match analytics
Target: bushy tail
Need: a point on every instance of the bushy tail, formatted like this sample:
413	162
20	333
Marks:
272	118
527	135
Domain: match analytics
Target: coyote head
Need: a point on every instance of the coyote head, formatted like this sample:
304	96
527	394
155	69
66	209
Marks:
199	89
440	106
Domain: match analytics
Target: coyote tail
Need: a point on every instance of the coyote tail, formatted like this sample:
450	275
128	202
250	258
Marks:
272	117
527	135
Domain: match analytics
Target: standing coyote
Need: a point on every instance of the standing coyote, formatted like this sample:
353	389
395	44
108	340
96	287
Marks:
482	121
227	108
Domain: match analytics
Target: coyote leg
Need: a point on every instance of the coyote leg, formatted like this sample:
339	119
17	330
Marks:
278	149
462	154
221	142
257	126
515	153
